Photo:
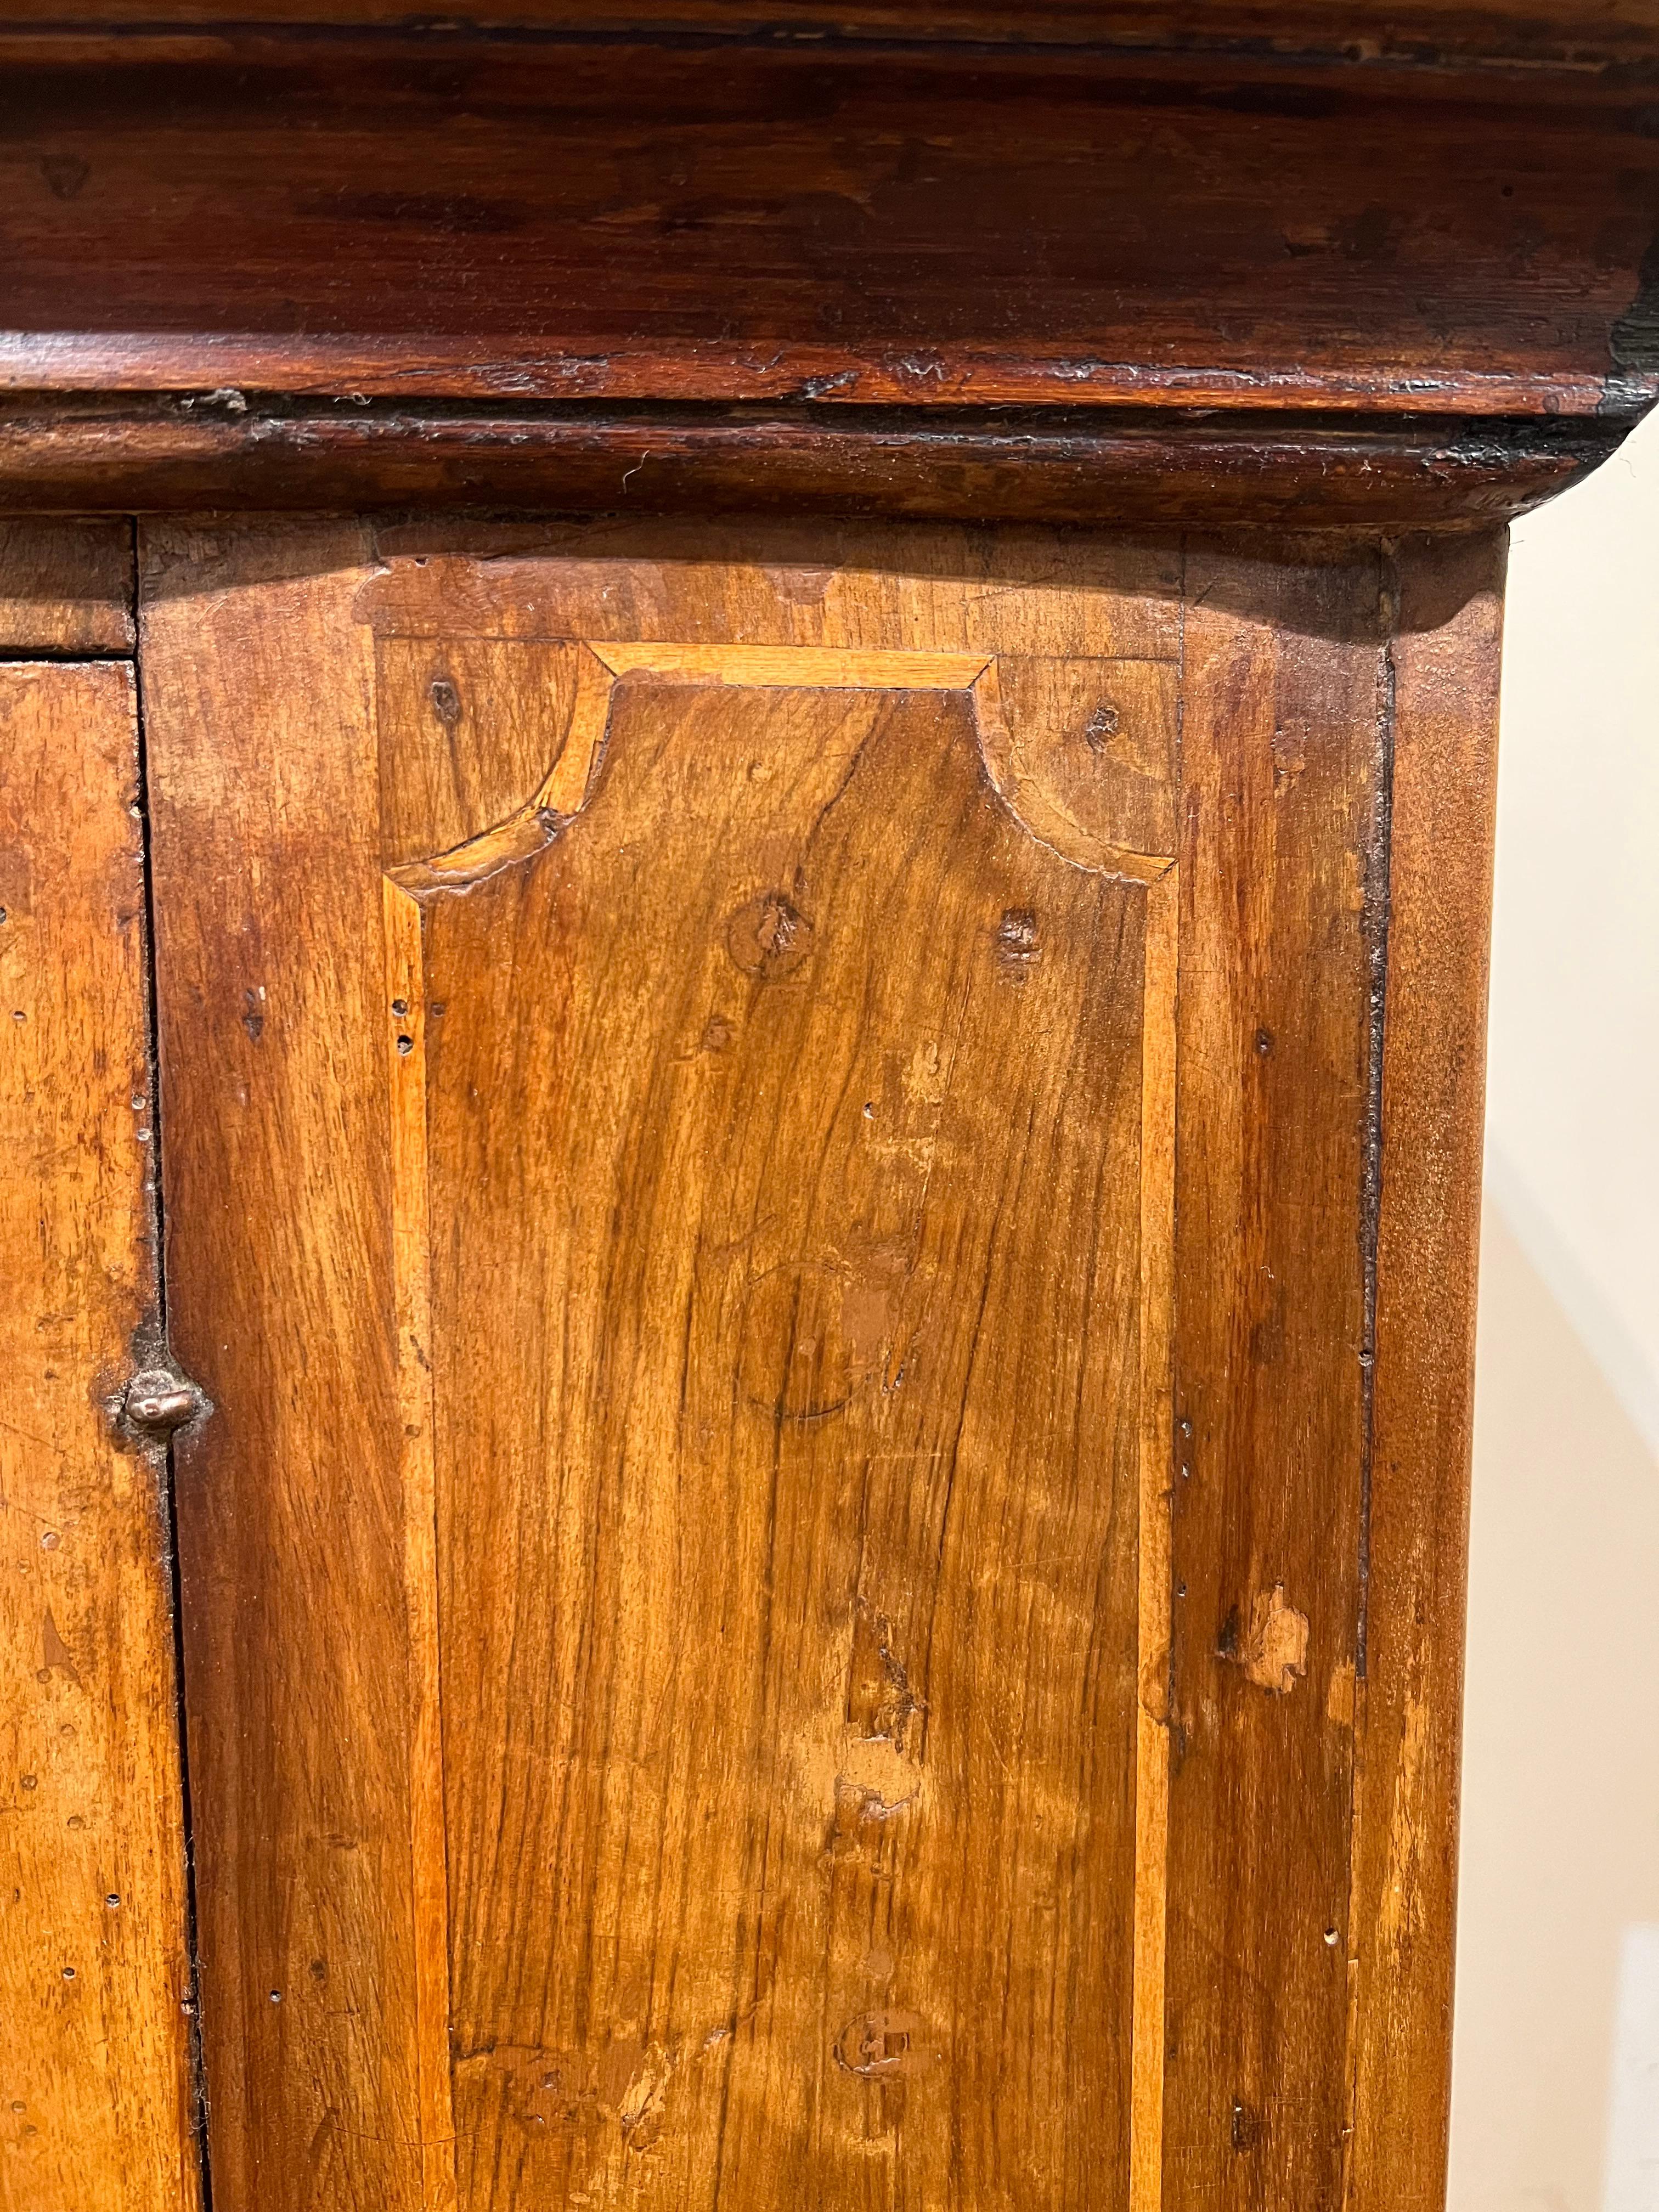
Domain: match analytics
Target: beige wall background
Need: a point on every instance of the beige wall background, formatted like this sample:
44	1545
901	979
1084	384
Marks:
1555	2103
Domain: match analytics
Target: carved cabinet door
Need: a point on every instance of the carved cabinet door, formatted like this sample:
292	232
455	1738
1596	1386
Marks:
800	1166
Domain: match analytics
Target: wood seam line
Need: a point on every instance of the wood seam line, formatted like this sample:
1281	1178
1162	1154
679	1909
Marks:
405	1021
1379	916
1154	1548
565	787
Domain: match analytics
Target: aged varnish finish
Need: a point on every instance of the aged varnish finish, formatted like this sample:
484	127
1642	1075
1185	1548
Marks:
853	1556
96	1983
745	835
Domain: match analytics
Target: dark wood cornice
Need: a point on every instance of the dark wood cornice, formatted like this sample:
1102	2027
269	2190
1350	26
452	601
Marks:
81	453
1004	263
1576	33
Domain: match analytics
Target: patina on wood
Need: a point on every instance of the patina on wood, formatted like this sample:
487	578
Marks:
937	260
821	1129
803	1176
95	1981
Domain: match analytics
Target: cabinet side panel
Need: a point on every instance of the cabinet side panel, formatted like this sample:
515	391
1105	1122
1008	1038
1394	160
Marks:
676	1274
95	1980
270	980
1284	727
1446	657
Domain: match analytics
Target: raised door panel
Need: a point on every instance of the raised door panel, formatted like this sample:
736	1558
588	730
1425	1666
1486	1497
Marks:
782	1196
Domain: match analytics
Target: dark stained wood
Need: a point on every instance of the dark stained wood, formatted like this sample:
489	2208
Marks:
95	2091
65	585
1061	465
1582	32
1445	727
699	219
1284	789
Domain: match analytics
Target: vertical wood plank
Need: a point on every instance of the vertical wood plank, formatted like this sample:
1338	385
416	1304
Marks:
1446	666
1282	738
404	1022
95	1976
272	985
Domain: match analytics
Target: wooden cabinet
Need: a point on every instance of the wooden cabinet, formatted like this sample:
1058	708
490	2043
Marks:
804	1407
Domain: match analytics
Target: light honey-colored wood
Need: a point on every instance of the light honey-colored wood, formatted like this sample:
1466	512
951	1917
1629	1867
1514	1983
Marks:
604	2011
1433	1077
818	856
1285	756
411	1259
656	757
1154	1597
795	667
776	1178
96	1985
302	1676
805	669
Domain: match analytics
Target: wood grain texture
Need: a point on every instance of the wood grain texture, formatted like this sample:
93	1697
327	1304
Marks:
803	1883
1584	32
70	449
1284	773
1024	712
264	805
65	585
835	1387
95	2096
404	1032
693	219
964	1939
1445	730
